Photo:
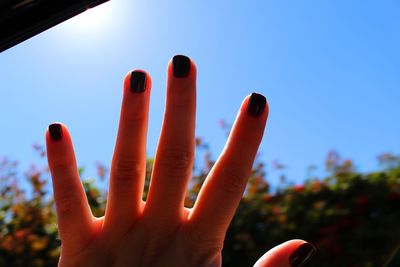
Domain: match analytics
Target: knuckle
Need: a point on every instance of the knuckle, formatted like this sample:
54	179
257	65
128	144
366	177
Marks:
181	102
66	202
126	169
207	243
176	160
233	181
206	246
61	165
134	117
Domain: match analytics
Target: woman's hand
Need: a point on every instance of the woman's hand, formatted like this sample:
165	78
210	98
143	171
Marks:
160	231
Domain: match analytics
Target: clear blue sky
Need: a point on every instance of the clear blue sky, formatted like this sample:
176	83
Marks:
330	70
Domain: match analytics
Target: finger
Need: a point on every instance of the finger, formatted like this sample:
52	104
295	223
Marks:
293	253
128	165
224	186
75	220
175	151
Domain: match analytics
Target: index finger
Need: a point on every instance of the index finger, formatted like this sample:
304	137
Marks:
223	189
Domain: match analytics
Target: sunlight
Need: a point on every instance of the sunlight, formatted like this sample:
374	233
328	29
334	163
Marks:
97	18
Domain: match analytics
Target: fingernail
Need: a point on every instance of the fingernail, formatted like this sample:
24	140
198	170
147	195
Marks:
256	104
181	66
301	255
55	130
138	81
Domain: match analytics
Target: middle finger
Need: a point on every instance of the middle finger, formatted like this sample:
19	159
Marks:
129	159
175	151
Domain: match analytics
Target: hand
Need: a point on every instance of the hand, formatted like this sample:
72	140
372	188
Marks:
160	231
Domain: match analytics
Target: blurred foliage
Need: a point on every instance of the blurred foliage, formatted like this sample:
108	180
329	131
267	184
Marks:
353	218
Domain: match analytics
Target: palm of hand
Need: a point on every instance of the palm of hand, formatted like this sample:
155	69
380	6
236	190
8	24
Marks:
148	243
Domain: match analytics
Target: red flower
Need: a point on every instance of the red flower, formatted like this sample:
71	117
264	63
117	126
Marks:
268	198
298	188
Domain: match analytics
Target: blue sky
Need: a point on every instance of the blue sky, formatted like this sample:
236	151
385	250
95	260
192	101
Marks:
330	70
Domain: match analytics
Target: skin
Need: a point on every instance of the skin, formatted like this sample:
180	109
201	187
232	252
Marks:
160	231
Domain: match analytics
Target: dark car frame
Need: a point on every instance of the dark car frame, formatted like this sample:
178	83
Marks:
22	19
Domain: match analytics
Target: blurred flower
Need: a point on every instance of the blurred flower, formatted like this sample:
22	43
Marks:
298	188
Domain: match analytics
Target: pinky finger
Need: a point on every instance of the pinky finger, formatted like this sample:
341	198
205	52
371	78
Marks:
75	220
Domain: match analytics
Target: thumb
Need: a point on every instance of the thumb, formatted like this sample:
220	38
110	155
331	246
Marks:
293	253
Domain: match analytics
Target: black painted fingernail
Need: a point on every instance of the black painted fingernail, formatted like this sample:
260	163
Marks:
55	130
256	104
138	81
301	255
181	66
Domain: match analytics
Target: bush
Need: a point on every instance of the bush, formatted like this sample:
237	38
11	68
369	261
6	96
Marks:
351	217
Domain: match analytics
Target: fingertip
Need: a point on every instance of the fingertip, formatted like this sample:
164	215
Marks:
59	145
58	142
55	132
302	254
293	253
255	105
137	81
181	66
252	117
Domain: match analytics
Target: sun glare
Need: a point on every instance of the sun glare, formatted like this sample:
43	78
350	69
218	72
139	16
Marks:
96	18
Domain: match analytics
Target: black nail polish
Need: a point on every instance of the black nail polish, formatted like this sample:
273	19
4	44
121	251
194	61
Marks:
256	104
138	81
55	130
301	255
181	66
